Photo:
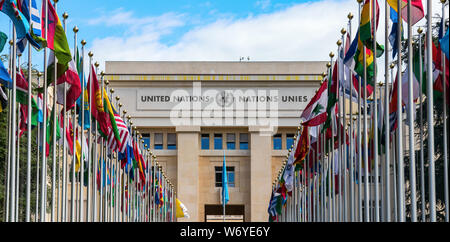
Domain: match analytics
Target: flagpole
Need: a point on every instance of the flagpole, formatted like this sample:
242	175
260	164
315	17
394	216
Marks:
375	110
401	190
339	123
422	165
95	160
387	195
82	158
366	148
44	129
27	215
444	84
411	110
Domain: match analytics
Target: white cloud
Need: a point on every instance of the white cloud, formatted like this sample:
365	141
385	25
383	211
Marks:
263	4
303	32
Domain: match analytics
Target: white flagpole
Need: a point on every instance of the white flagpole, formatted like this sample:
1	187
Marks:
422	158
401	190
82	140
411	111
74	127
352	178
387	186
375	112
90	149
27	215
44	129
445	118
64	184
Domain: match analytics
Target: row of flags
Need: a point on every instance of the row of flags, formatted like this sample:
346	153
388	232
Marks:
323	108
86	98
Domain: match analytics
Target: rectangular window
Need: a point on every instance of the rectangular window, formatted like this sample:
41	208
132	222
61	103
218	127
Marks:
171	141
146	138
289	140
230	176
277	142
243	141
158	141
218	142
205	141
231	141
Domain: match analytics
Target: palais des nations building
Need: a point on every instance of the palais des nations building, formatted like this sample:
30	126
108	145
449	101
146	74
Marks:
191	114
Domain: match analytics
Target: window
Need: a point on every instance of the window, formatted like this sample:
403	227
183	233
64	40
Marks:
217	141
171	141
158	141
243	141
371	179
230	176
205	141
231	141
146	138
277	142
289	140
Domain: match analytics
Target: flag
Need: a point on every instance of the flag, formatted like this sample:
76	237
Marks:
35	25
444	44
49	135
332	98
367	28
56	36
97	107
82	77
417	12
3	39
114	139
3	99
35	21
225	195
5	78
302	146
393	40
9	7
315	112
181	211
68	76
38	115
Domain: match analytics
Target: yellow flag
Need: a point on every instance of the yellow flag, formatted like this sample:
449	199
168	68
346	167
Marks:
182	211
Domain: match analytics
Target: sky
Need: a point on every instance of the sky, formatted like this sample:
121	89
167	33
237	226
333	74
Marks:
202	30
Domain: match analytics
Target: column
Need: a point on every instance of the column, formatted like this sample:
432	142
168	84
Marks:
188	170
260	173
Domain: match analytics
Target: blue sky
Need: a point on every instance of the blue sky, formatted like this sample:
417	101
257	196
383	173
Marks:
214	30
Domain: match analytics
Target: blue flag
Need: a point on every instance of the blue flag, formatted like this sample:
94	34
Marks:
444	44
225	196
5	79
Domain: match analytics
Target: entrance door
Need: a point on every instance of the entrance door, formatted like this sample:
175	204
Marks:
233	213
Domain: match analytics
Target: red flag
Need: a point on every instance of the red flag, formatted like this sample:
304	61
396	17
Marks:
97	107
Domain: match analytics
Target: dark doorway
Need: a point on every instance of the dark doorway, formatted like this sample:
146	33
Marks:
233	213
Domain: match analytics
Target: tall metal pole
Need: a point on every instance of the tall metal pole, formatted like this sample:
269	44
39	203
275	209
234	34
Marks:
411	111
375	111
387	194
90	150
44	129
28	191
401	190
444	84
352	178
422	159
64	183
82	158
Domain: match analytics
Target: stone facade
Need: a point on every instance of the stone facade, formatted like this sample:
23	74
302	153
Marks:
146	90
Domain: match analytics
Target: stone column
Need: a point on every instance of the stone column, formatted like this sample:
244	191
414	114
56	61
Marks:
188	170
260	173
